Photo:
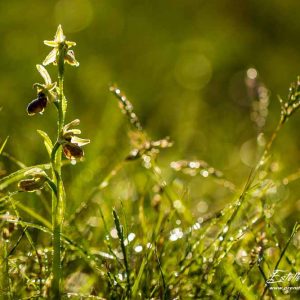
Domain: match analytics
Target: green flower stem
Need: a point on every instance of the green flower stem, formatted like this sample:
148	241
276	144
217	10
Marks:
58	199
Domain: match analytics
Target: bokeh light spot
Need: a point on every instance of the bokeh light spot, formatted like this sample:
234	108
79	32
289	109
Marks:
193	71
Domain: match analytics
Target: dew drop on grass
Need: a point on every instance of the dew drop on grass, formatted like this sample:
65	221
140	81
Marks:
114	233
178	205
106	255
225	229
120	276
103	184
196	226
131	236
176	234
194	164
138	249
157	170
204	173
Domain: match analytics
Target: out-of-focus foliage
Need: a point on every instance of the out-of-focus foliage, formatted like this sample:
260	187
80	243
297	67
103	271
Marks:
183	64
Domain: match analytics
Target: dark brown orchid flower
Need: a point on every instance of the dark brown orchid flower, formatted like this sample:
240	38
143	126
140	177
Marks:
46	93
36	180
71	143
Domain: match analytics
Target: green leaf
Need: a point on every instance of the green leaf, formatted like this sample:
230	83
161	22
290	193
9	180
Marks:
47	141
3	145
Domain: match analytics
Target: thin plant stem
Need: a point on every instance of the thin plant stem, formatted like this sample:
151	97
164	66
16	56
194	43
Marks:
58	201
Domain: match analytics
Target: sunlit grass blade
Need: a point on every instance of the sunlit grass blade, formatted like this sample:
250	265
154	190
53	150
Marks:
3	145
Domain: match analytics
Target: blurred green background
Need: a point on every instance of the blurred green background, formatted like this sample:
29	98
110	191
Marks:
182	64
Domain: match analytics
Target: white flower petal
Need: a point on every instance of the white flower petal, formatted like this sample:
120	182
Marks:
51	57
74	123
44	74
51	43
59	36
79	142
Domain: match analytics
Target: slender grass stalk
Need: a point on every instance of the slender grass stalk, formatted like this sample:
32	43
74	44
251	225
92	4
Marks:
120	232
29	238
5	280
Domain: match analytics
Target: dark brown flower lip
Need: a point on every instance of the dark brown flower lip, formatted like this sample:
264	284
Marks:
72	151
31	185
37	105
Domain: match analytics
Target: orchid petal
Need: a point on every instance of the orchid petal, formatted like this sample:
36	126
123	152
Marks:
59	36
44	73
70	59
74	123
79	142
51	57
51	43
70	44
